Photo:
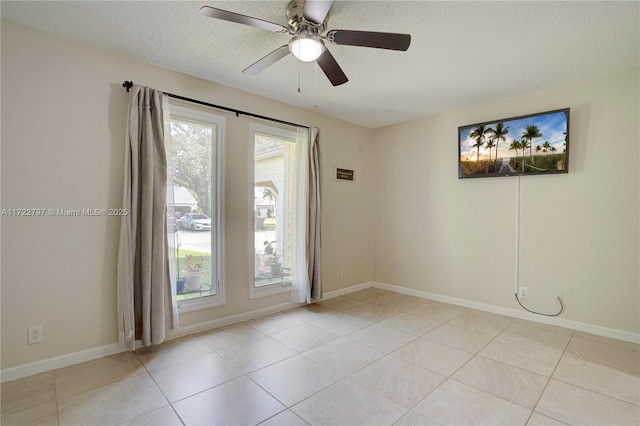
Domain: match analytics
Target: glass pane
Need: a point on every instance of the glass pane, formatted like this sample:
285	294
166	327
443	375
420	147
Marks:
191	208
272	210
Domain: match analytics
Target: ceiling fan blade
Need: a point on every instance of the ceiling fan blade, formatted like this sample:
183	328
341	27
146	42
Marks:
270	59
392	41
331	69
213	12
317	10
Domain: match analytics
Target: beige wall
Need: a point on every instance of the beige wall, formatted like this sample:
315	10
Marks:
578	233
63	122
63	126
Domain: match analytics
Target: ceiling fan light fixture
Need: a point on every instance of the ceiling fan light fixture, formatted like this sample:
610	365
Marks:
306	48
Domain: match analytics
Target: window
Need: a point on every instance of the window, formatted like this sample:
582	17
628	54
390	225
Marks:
194	207
273	243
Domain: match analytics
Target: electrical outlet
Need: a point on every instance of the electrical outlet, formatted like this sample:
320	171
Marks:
343	275
523	293
35	334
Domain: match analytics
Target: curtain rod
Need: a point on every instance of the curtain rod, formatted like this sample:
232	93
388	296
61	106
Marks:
129	84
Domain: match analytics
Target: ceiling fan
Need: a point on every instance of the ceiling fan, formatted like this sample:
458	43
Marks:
306	22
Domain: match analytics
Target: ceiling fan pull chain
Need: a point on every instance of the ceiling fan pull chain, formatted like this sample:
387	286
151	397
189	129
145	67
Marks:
299	91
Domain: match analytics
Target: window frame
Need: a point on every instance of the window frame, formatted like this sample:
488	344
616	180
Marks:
177	111
279	133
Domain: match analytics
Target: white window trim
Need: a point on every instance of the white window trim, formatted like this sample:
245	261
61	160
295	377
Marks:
194	113
276	288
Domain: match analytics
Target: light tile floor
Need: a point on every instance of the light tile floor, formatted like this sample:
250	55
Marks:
371	357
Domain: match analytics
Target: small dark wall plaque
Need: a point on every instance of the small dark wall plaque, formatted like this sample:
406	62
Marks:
344	174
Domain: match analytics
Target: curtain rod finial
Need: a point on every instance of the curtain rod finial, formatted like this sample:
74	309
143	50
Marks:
127	85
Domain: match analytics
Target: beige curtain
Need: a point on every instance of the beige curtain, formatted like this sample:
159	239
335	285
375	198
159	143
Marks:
144	288
313	215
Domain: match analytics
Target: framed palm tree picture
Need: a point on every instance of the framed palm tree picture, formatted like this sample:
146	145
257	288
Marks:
534	144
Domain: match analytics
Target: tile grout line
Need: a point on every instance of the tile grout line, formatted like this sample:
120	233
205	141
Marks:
549	380
449	377
55	396
417	337
346	377
477	354
288	407
379	304
591	390
161	391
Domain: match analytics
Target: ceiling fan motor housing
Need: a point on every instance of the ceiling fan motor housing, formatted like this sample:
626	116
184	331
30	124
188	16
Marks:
307	21
297	21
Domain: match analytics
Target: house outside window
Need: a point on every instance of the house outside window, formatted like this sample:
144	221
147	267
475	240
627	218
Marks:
194	206
273	243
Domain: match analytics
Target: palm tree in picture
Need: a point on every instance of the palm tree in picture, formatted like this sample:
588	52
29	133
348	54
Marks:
479	135
531	132
538	148
524	144
545	146
497	134
553	149
515	145
490	144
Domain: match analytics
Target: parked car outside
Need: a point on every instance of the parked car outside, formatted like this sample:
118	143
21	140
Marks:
196	222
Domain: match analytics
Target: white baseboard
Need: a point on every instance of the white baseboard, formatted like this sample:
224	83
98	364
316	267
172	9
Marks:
231	319
561	322
342	292
14	373
515	313
24	370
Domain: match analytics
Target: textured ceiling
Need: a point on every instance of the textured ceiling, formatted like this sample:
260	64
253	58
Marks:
462	53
